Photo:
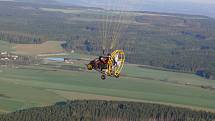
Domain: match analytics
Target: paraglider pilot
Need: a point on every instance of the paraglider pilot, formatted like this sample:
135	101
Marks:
100	63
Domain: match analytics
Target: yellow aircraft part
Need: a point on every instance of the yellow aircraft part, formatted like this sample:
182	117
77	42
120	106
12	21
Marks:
113	68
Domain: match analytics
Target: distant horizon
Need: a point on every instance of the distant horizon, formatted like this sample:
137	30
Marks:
189	7
196	1
180	1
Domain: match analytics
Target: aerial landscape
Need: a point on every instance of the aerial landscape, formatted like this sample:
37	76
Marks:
159	63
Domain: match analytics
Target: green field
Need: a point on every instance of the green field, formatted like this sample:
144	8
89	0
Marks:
32	49
38	49
38	86
5	46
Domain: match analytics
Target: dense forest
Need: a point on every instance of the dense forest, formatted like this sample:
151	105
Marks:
107	111
180	42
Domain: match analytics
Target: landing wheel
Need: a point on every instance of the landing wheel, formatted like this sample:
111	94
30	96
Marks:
89	67
103	77
117	75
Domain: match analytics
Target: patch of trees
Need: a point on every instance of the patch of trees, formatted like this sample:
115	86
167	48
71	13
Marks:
197	36
108	111
206	73
203	73
19	38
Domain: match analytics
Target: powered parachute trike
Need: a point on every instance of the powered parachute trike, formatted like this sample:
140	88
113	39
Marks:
110	65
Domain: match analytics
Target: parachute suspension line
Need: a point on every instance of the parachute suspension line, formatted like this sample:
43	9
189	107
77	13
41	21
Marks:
103	29
119	26
116	31
100	30
125	23
111	25
106	24
116	25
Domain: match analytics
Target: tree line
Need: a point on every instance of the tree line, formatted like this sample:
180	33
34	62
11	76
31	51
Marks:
20	38
108	111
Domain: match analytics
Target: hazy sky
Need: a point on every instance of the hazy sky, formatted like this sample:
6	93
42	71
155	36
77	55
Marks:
199	1
195	1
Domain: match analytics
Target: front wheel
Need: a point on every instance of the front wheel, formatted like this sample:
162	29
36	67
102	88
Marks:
89	67
103	77
117	75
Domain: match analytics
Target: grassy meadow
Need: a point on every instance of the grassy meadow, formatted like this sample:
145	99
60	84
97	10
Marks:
25	87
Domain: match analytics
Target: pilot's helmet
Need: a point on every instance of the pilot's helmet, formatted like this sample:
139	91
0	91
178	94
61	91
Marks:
109	55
